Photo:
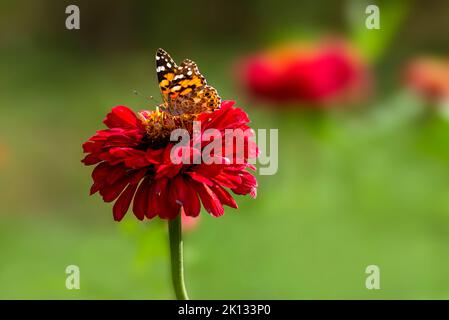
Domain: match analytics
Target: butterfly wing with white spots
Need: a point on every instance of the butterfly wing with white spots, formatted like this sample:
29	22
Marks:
184	89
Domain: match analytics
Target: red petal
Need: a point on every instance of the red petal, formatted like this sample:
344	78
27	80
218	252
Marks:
227	117
115	173
152	201
197	177
248	184
224	196
167	170
155	199
90	159
100	171
228	180
111	192
123	202
208	170
184	194
141	199
133	158
159	203
121	117
169	209
209	199
154	156
137	175
96	186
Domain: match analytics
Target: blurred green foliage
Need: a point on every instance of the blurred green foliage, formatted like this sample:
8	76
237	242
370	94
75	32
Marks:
373	43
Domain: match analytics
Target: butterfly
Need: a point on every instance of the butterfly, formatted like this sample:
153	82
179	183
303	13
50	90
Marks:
184	89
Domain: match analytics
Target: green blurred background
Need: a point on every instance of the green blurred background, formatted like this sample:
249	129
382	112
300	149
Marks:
365	186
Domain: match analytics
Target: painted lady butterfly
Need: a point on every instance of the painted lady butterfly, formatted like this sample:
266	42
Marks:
184	89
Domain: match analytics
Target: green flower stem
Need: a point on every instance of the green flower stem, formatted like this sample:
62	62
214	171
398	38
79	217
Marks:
177	259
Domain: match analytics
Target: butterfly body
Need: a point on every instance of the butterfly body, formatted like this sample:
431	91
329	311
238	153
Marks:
184	89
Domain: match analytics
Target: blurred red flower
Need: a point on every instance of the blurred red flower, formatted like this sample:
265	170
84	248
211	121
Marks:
429	77
133	164
317	74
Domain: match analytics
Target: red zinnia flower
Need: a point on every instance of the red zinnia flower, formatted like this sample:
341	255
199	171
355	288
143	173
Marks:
315	74
133	164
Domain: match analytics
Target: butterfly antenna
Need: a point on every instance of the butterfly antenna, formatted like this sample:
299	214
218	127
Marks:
155	100
137	93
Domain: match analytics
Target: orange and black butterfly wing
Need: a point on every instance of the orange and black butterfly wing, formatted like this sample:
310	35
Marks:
166	70
201	100
195	95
